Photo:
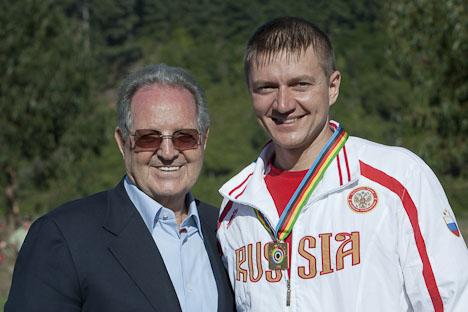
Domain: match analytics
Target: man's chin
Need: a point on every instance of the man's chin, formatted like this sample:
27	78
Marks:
168	193
288	143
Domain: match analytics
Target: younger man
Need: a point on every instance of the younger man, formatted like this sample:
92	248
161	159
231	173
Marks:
326	222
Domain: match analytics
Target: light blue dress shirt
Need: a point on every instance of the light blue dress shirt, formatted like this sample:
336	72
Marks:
182	250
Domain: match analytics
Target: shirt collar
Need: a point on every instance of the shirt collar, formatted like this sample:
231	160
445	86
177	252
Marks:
193	212
150	209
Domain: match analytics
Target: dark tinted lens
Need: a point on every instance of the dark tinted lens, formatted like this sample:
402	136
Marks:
148	141
151	140
185	139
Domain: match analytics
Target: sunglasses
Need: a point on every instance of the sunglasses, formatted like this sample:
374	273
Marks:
151	140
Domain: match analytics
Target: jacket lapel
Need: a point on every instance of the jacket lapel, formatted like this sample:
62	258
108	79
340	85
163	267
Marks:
225	302
135	250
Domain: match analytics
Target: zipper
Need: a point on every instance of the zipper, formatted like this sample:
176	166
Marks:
288	293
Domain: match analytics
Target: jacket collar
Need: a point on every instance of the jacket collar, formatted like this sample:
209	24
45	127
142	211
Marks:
135	250
120	209
248	187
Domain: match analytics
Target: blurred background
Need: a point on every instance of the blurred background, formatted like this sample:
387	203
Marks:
403	63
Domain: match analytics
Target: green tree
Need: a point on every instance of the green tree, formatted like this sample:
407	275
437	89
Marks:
112	26
49	117
429	48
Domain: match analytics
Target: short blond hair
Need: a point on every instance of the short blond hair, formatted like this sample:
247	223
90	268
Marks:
290	35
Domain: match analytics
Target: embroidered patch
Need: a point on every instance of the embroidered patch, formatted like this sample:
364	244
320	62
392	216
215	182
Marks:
450	221
362	199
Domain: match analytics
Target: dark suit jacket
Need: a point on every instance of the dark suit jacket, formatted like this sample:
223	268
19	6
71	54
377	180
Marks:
96	254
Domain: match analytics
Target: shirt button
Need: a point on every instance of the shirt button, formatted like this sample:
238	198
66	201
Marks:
164	217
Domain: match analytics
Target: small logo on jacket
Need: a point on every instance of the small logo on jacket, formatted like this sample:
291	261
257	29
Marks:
451	223
362	199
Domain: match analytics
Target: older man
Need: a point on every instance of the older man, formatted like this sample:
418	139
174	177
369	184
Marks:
326	222
147	244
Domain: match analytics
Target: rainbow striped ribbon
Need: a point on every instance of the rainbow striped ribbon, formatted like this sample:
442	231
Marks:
306	188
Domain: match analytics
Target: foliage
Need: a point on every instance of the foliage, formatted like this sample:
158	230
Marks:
429	45
112	25
49	118
399	87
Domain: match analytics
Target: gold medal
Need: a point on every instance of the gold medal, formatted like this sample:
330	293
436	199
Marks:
278	258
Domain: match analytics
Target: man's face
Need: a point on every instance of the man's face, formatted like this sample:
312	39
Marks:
165	174
291	97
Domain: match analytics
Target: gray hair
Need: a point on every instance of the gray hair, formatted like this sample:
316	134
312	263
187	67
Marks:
160	74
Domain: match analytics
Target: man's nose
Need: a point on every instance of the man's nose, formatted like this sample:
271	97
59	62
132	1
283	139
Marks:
284	102
167	150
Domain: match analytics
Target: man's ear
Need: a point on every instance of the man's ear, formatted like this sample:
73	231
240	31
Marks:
205	136
334	87
119	140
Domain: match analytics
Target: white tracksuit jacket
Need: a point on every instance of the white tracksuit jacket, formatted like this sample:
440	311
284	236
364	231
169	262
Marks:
374	236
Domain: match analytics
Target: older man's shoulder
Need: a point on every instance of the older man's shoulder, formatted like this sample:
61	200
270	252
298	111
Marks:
80	207
85	210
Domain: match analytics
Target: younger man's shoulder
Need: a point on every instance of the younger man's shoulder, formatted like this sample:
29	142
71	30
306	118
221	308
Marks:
395	159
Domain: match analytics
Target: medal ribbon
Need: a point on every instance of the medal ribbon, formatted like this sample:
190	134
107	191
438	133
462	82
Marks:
306	187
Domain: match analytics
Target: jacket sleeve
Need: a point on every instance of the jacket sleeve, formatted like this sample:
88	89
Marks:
45	277
433	253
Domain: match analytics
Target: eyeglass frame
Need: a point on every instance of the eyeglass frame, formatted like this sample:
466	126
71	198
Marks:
133	146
